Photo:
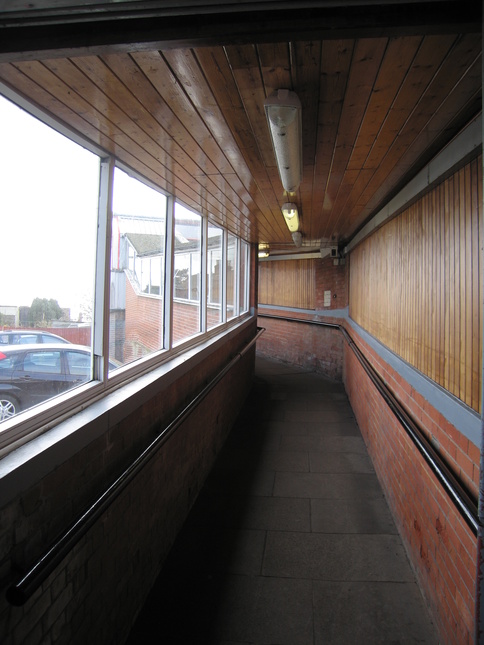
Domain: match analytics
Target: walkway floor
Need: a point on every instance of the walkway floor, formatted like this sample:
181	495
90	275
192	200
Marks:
291	541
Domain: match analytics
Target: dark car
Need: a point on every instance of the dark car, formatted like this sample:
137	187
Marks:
28	337
30	374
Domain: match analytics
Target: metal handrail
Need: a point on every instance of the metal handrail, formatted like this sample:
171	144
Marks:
462	498
18	593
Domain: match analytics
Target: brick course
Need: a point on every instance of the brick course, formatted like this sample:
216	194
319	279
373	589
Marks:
316	347
440	545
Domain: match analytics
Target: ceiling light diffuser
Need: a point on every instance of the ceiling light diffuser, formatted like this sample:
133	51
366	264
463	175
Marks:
291	216
283	112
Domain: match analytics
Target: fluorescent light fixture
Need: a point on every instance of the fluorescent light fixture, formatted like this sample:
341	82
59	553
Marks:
263	250
297	238
291	216
283	112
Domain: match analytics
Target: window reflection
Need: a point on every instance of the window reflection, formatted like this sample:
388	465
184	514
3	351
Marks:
186	275
244	280
214	276
231	276
137	269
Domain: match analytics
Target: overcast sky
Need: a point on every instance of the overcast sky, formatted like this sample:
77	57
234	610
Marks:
48	211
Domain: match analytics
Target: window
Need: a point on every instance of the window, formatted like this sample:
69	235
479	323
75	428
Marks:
28	339
42	362
186	275
62	276
49	212
231	277
137	269
214	275
243	278
78	364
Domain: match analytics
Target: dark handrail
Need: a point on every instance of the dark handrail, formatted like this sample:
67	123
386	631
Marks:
463	499
18	593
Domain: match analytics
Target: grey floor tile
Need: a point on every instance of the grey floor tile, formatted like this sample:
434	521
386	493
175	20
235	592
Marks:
239	551
318	403
264	436
227	481
320	429
370	613
355	515
328	416
345	428
336	557
315	443
216	550
340	462
283	460
264	611
291	541
269	513
327	485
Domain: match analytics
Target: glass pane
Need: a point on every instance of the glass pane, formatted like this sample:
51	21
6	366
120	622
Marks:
137	270
78	363
243	282
182	276
214	276
187	270
49	209
231	276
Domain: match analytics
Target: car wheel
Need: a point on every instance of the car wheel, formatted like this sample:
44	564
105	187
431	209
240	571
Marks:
9	406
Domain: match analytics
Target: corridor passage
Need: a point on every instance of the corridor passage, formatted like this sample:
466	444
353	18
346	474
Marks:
291	541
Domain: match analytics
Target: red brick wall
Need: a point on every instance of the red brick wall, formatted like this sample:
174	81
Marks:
186	320
441	547
144	323
334	278
312	346
144	320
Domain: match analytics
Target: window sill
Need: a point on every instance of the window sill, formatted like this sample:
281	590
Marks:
23	466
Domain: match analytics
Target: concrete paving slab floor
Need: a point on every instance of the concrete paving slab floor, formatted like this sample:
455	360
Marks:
291	541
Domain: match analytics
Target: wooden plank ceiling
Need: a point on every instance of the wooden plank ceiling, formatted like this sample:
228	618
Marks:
376	108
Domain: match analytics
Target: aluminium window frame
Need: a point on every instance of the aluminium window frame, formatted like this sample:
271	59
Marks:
35	421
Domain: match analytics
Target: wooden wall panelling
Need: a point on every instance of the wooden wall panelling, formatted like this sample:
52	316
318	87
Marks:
477	280
448	280
454	383
289	283
461	251
416	284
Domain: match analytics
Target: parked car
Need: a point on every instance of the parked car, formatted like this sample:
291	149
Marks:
30	374
28	337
